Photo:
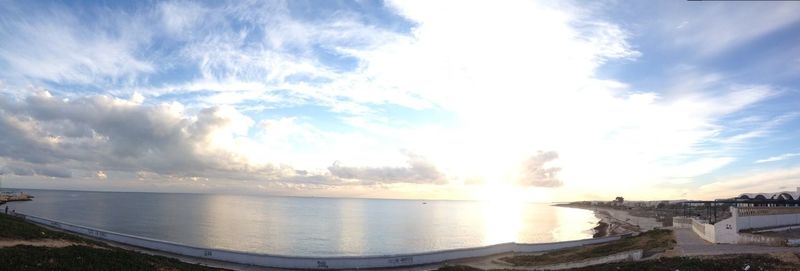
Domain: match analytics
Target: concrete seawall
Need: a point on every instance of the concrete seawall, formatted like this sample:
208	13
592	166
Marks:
295	262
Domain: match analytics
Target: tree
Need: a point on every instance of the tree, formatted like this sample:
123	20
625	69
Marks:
619	200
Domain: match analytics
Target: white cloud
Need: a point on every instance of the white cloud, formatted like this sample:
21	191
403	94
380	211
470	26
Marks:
54	46
712	28
105	132
163	142
534	173
100	175
759	182
777	158
521	77
761	129
180	16
513	77
419	170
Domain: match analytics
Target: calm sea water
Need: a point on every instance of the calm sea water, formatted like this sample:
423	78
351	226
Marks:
311	226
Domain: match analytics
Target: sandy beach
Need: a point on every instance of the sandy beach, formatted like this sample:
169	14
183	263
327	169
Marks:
617	222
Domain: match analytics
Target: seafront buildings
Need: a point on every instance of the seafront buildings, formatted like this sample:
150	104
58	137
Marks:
783	195
771	218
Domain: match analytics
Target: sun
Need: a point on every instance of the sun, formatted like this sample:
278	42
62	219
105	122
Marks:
509	193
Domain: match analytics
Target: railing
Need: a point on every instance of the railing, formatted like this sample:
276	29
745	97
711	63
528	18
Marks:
295	262
759	211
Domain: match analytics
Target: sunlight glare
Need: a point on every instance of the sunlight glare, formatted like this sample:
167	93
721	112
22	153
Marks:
502	221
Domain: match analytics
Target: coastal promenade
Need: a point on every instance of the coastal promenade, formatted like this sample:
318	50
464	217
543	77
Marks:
293	262
688	243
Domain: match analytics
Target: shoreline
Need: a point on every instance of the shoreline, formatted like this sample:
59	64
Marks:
601	230
614	222
294	262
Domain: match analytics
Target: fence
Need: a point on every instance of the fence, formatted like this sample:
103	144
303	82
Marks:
763	211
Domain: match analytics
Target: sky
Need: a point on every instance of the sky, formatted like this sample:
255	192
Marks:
489	100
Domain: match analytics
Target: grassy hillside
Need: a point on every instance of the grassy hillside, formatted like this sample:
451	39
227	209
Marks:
650	242
83	254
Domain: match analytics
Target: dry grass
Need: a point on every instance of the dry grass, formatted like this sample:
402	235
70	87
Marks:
724	262
759	262
650	242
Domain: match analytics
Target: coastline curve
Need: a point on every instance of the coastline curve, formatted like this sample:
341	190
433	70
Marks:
303	262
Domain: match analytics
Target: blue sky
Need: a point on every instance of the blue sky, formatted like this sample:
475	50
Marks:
515	100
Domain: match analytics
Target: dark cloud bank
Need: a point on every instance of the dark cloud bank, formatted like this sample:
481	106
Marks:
42	135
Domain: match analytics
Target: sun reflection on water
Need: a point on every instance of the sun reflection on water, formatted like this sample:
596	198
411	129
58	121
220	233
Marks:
502	221
513	221
573	224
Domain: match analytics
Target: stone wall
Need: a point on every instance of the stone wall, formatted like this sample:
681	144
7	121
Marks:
757	239
765	217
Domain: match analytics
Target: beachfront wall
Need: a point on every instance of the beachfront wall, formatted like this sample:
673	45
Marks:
726	231
723	231
765	217
704	230
758	239
291	262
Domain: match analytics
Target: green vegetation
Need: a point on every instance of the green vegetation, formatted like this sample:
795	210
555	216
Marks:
650	242
15	228
86	258
83	255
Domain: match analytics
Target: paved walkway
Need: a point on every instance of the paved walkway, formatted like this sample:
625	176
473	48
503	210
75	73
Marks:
689	244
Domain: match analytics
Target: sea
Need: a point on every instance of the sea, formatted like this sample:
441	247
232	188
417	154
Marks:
312	226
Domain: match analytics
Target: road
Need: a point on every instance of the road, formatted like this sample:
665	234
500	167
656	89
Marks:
689	244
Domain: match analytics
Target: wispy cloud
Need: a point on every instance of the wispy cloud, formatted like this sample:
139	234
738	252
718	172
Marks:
713	28
777	158
761	182
269	93
53	44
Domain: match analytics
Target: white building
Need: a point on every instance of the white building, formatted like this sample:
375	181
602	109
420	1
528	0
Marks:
783	195
773	213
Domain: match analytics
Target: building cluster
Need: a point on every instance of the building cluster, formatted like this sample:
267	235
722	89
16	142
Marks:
783	195
749	215
637	203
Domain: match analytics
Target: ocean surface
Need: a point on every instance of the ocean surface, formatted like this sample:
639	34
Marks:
311	226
